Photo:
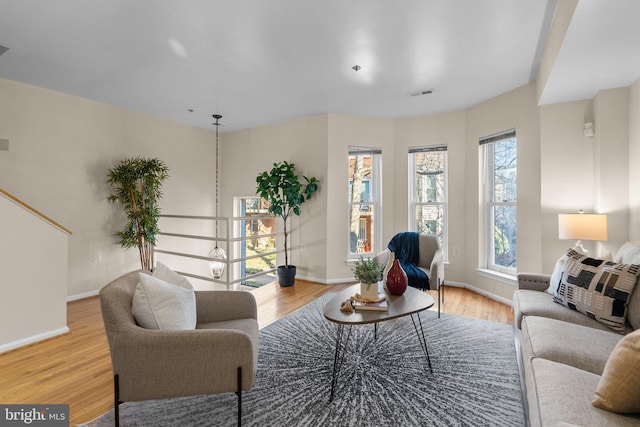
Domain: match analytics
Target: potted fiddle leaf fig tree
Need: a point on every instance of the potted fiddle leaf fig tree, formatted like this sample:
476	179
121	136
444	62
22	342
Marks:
285	192
137	186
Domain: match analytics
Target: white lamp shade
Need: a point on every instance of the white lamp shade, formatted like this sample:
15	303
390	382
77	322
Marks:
582	226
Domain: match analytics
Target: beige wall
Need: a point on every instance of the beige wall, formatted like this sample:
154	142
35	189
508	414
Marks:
611	122
33	277
303	142
61	147
515	109
448	129
559	170
634	161
568	173
588	173
345	131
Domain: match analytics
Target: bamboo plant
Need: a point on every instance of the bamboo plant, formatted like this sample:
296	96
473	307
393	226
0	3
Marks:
137	186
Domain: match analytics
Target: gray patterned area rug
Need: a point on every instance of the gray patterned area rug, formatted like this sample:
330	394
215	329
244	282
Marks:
383	382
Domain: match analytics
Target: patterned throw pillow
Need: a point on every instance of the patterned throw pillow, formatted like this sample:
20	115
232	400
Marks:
600	289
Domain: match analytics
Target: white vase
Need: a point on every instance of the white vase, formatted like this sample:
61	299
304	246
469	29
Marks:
387	267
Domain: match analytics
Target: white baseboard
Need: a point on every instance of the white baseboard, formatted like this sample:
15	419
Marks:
326	281
33	339
81	296
479	291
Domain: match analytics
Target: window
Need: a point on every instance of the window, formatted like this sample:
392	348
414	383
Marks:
500	200
364	201
257	254
428	192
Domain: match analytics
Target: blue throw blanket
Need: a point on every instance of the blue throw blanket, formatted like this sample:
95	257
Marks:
407	251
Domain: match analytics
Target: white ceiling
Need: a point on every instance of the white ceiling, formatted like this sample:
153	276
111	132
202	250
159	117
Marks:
258	62
601	50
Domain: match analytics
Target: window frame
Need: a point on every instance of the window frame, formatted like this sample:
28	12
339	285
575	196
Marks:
487	145
374	203
413	203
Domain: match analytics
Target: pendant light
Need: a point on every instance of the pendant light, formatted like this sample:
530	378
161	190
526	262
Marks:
218	260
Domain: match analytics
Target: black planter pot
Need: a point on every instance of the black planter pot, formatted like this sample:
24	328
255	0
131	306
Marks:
286	275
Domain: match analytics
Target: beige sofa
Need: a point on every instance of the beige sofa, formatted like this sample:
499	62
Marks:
564	353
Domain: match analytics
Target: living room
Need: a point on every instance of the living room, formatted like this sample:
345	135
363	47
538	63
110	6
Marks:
61	146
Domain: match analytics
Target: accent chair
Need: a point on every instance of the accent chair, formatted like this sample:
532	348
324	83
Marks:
220	355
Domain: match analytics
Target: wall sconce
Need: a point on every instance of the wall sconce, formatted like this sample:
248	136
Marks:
582	226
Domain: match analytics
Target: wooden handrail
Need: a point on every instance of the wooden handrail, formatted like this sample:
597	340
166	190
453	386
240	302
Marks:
34	211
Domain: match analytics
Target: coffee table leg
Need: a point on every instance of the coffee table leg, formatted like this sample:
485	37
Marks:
338	357
421	339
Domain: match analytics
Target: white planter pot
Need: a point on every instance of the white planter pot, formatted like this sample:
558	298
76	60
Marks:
369	290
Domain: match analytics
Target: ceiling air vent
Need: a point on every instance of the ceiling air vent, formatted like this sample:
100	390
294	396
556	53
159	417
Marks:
420	92
3	50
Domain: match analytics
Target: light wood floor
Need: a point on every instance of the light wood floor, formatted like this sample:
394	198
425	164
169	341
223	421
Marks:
75	368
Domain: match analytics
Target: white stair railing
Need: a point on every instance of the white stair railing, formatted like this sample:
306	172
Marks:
190	238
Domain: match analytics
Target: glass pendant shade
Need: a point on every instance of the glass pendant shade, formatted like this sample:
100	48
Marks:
218	262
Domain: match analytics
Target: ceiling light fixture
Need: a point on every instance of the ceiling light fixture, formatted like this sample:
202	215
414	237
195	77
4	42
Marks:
420	92
218	257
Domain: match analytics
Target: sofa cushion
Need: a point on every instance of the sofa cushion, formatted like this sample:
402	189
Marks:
160	305
600	289
576	345
619	386
559	393
536	303
633	312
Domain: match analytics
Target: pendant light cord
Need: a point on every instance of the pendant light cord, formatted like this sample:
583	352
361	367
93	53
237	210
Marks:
217	124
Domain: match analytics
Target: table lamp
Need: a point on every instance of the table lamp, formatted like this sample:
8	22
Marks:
582	226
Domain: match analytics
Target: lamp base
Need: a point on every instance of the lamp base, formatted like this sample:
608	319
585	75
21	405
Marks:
578	247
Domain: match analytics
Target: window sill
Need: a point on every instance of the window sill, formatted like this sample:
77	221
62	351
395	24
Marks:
509	279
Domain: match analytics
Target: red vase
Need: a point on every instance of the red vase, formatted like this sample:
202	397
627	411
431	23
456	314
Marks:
397	280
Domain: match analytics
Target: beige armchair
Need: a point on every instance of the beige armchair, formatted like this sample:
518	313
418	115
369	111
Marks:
219	356
431	261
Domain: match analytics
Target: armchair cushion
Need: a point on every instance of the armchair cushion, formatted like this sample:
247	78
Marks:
161	305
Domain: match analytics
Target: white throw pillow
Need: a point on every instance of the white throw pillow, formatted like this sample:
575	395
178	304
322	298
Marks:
556	276
163	272
161	305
